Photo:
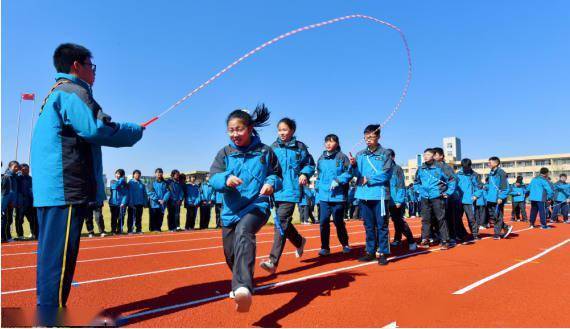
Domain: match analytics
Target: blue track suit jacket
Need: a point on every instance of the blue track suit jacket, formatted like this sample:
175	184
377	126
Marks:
295	160
207	193
191	195
518	193
138	195
561	191
333	166
158	191
432	182
468	185
176	192
119	192
540	189
397	186
66	145
378	168
255	165
498	185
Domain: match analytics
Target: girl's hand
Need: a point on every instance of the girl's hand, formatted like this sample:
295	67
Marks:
233	181
266	190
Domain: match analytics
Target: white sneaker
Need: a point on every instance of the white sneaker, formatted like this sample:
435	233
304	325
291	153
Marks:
243	299
90	235
324	252
299	251
413	217
413	246
232	295
268	266
482	228
103	235
346	250
377	254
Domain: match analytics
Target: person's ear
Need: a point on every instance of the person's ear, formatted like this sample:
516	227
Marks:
75	67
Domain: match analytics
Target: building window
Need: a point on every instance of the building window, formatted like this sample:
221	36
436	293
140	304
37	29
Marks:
542	162
527	174
524	163
508	164
560	162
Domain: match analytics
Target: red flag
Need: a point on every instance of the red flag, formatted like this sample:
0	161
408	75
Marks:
28	97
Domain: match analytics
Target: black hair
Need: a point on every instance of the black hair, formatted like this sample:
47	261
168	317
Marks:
519	179
24	165
289	122
13	163
495	159
174	172
136	171
487	179
182	178
121	172
438	150
391	153
67	53
430	150
543	171
563	175
158	170
334	138
372	129
259	118
466	163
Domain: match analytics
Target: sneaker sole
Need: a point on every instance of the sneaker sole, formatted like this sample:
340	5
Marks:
243	302
267	269
509	230
299	252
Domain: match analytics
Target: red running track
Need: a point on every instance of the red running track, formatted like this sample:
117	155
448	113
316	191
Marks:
181	280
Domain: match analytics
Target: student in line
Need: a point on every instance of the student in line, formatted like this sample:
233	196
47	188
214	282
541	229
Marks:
175	201
118	201
540	194
452	200
138	197
333	174
518	194
497	193
373	167
297	167
207	198
158	195
26	204
561	199
247	173
468	185
191	202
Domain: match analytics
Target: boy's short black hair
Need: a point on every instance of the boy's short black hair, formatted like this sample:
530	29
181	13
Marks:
121	172
563	175
136	171
438	150
158	170
519	179
544	171
174	172
13	163
67	53
466	163
430	150
24	165
496	159
372	129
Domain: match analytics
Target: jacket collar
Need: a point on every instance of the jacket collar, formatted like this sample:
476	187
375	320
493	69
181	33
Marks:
291	143
255	142
73	79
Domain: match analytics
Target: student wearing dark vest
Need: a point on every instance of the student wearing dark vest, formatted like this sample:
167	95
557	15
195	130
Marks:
70	122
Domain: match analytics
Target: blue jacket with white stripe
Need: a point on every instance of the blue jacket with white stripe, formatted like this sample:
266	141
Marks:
378	168
333	166
295	160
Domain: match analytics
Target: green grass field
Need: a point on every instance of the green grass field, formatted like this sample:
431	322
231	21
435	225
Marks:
145	221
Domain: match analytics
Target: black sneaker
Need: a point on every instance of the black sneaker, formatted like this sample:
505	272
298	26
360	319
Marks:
496	237
445	246
424	244
476	238
383	259
367	258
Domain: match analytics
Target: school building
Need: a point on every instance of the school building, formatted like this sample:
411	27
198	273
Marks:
525	166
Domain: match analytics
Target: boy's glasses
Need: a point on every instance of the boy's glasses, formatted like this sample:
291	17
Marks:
93	66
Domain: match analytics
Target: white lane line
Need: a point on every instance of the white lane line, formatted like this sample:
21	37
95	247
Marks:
508	269
153	253
211	264
160	271
165	234
149	243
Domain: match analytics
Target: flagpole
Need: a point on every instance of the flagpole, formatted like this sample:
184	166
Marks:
18	125
32	131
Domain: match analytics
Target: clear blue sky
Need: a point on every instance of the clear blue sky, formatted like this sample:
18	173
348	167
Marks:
494	73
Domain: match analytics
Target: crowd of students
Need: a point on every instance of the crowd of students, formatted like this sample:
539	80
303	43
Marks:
249	181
